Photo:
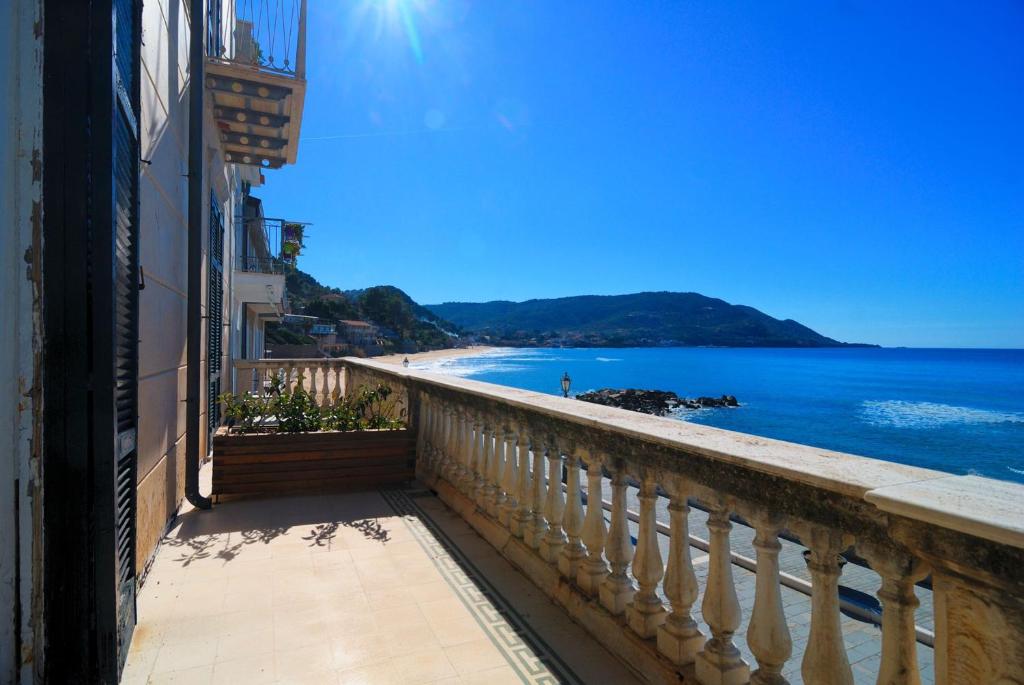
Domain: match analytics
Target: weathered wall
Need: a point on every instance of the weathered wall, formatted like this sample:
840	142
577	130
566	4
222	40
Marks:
20	235
164	259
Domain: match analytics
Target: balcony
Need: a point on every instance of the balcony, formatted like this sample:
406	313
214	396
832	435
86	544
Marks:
547	539
256	78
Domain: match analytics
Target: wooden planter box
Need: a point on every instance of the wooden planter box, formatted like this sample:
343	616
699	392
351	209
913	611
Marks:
311	462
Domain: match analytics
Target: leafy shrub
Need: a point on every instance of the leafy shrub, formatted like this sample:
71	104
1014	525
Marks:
295	411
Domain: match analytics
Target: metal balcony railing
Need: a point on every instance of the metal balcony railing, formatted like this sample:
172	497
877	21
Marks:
256	78
259	265
269	35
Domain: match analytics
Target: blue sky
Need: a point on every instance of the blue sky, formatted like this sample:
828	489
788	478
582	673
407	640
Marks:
856	166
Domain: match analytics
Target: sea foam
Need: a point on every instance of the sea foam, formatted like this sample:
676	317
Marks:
904	414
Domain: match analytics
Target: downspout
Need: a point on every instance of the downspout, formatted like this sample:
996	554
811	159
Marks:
194	313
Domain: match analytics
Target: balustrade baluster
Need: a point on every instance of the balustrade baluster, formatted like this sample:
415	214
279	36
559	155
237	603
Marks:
767	634
497	469
480	462
594	568
468	454
458	447
899	572
421	434
522	518
313	389
538	525
488	489
825	661
617	590
645	613
679	638
554	507
573	552
445	442
509	481
719	663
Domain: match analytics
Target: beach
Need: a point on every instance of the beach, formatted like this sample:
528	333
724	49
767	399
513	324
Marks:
434	355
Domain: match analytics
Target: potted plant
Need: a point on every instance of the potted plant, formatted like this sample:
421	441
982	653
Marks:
283	441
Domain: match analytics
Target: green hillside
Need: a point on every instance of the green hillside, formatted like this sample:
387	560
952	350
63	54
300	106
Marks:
640	319
415	327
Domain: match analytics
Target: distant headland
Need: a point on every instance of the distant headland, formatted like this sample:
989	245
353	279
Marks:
649	319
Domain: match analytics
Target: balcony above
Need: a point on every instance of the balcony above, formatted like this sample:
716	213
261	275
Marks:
256	81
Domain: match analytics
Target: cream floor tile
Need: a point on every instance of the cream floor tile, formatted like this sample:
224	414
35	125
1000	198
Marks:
423	667
446	609
359	650
230	647
457	631
495	676
199	675
383	673
139	665
429	592
251	670
475	656
316	658
183	655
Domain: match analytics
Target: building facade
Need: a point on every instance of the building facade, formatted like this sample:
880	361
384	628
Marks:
137	267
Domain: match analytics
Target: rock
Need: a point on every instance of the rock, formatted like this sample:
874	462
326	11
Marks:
656	402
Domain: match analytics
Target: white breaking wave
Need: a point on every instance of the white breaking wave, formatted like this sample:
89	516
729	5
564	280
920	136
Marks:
501	359
904	414
607	359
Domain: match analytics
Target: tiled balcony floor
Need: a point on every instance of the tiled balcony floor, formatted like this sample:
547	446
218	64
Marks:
353	588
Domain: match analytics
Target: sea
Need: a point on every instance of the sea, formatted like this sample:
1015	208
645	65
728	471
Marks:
955	410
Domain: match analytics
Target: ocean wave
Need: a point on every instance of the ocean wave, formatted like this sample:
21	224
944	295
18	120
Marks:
607	359
904	414
500	359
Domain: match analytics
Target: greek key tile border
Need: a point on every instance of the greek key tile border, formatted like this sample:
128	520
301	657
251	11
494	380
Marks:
533	660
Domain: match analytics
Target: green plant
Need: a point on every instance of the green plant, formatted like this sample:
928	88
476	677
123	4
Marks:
296	411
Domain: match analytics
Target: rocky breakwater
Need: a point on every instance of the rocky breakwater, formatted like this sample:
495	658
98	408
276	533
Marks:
656	402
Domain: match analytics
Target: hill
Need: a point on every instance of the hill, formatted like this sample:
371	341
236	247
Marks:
414	327
648	319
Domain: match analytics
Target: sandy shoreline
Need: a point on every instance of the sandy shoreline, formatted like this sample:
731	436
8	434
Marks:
434	355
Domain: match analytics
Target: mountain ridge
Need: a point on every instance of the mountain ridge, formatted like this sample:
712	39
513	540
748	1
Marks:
644	319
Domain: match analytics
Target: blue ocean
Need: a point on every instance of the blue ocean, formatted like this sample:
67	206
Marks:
960	411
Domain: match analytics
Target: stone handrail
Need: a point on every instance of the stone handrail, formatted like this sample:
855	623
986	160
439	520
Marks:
490	452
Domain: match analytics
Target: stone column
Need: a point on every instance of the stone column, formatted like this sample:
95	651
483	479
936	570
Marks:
488	494
768	634
719	663
825	661
539	525
594	569
617	589
899	572
573	553
509	481
554	507
679	638
497	497
522	519
645	613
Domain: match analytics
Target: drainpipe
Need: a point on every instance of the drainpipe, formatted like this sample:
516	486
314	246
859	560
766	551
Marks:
194	314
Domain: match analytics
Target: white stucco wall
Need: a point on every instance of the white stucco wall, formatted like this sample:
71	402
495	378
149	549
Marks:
163	191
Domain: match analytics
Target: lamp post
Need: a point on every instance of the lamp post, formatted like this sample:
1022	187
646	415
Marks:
566	382
405	362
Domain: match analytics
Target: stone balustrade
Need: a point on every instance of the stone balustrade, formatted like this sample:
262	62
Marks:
322	378
498	456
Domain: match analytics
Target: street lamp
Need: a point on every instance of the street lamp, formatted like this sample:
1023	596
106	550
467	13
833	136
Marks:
566	382
405	362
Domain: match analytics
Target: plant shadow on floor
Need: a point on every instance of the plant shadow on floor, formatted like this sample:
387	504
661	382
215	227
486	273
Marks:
223	533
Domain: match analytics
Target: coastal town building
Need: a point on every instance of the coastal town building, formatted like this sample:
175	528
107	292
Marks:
534	538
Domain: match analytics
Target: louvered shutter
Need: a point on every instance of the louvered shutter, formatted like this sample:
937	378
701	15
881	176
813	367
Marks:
215	312
126	311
